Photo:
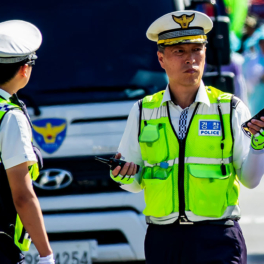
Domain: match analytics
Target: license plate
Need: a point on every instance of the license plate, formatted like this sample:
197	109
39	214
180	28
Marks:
67	252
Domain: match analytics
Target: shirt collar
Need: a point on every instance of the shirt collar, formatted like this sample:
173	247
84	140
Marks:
201	95
5	94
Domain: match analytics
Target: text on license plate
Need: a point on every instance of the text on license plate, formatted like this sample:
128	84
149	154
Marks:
66	252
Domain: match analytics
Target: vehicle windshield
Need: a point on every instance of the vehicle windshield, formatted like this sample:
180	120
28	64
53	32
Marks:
92	50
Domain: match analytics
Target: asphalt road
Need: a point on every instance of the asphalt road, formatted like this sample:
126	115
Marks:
252	222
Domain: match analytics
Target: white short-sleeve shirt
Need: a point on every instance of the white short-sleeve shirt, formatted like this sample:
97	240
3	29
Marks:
15	138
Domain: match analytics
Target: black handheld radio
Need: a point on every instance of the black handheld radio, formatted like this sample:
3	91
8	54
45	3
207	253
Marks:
113	163
245	127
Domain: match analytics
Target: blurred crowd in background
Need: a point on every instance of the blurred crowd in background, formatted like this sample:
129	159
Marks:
247	45
252	49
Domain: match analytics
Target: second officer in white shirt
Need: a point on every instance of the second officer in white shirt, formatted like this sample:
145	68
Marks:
21	217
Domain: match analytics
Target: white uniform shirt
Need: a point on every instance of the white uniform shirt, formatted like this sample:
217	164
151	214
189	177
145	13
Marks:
15	138
249	163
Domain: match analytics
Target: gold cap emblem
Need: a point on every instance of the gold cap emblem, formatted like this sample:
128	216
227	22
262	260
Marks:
184	20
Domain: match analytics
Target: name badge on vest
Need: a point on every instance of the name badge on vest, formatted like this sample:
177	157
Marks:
210	128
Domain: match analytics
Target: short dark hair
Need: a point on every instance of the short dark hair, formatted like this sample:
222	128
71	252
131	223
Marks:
161	48
9	70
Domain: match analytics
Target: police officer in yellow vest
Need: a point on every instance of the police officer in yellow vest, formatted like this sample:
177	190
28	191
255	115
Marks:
193	153
21	218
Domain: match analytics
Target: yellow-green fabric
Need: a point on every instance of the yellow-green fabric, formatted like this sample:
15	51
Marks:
207	191
257	140
22	243
237	11
121	179
26	242
24	246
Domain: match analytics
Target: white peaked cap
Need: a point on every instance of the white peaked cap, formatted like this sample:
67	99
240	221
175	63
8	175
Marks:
186	26
18	41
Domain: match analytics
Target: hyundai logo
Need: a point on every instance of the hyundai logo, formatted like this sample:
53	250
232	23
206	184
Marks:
53	179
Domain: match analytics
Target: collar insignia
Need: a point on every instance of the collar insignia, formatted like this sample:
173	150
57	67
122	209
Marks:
184	20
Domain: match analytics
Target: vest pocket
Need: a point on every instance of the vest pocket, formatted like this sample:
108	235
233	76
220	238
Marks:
233	191
208	190
158	193
153	143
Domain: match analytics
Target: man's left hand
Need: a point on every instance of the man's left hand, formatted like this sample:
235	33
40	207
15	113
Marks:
256	129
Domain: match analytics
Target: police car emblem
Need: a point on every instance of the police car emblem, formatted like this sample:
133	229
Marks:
210	128
49	133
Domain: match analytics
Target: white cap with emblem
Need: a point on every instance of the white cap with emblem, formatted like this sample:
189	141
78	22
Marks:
177	27
18	41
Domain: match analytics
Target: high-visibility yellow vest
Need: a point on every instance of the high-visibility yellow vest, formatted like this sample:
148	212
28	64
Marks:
10	221
200	176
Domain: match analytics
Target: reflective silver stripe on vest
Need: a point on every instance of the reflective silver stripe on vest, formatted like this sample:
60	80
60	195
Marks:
193	160
212	110
171	162
203	109
232	212
155	113
197	160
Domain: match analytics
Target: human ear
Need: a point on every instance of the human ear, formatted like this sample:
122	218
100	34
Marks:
24	70
161	59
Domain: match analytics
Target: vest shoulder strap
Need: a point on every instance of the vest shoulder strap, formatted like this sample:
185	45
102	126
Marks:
140	115
153	101
214	94
233	105
2	117
234	102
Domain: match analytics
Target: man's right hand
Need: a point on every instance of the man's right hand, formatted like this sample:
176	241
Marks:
126	174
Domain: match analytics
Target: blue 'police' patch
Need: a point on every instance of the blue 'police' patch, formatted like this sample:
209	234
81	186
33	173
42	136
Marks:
210	128
49	133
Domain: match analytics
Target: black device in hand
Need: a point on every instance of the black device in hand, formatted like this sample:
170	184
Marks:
257	117
113	163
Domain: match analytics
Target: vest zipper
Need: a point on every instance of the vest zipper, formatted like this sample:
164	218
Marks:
182	216
222	145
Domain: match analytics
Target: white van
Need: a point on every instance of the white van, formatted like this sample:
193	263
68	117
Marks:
95	62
